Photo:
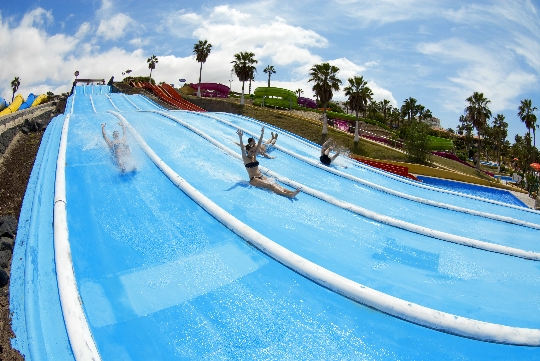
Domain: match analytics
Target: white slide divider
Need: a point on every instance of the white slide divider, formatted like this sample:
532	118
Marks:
315	163
114	105
82	342
444	236
427	317
91	101
129	100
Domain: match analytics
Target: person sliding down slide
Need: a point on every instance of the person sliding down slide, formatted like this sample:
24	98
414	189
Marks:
325	152
266	147
119	148
249	156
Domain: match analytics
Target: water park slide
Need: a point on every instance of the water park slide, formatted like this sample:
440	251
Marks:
3	103
233	301
171	92
394	185
212	90
28	103
14	106
40	99
272	96
171	98
290	227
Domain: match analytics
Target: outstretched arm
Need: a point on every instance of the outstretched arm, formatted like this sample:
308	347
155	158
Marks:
107	140
260	141
124	138
242	149
335	155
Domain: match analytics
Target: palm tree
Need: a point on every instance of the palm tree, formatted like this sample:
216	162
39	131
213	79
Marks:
127	72
527	116
243	68
500	132
385	107
201	50
478	112
325	80
269	70
15	83
366	94
152	61
299	92
354	91
409	108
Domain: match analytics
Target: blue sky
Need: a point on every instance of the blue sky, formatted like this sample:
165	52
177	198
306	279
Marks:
438	52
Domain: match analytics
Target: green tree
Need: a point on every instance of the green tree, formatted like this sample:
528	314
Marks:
416	141
243	68
201	50
500	132
478	113
353	91
409	108
269	70
385	107
465	128
152	61
15	83
527	116
325	81
367	95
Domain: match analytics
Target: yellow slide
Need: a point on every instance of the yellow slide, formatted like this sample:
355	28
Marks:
13	107
40	99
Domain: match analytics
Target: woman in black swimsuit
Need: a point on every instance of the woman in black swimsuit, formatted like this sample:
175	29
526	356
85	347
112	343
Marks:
325	152
249	156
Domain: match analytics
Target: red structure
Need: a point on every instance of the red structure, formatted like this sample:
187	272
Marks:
169	95
391	168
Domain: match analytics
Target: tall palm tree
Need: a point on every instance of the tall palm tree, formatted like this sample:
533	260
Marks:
478	112
15	83
243	68
367	95
527	116
299	92
385	107
269	70
201	50
500	132
353	91
325	81
465	128
152	61
409	108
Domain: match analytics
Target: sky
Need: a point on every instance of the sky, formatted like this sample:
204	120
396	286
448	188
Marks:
436	51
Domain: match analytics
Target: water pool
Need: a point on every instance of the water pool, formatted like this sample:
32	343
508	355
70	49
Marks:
500	195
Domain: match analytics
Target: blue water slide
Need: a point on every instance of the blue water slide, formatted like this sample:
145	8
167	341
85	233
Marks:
183	259
28	103
3	103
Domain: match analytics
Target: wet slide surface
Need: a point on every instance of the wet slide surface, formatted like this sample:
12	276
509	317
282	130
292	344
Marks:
160	278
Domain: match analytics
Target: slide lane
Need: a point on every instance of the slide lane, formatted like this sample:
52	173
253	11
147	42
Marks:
403	264
440	219
37	319
122	103
391	182
161	279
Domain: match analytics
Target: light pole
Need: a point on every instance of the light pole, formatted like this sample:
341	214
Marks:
230	81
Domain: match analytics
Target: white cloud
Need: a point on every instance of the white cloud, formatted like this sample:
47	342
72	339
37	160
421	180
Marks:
83	30
481	69
115	27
